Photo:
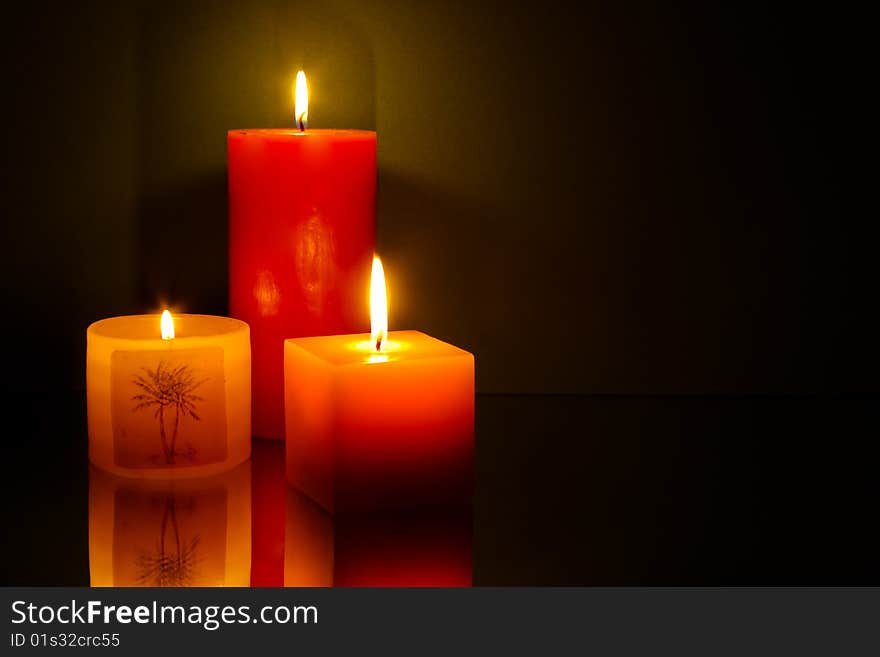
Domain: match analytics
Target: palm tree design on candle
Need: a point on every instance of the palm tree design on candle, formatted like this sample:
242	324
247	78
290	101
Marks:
168	390
174	562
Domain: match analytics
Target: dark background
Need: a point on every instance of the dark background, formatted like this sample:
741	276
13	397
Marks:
593	198
660	213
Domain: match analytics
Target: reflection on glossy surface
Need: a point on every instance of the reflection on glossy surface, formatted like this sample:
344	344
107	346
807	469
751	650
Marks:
297	543
308	543
424	547
431	547
269	493
586	491
184	532
248	527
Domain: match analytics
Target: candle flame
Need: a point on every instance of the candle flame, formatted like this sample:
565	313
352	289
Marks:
378	305
167	326
301	101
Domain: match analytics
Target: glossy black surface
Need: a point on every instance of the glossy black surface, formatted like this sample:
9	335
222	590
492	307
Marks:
569	490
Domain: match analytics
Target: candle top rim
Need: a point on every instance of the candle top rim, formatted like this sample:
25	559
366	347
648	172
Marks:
295	133
146	328
354	349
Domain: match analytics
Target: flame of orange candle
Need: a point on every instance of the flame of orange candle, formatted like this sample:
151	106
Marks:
378	305
167	324
301	101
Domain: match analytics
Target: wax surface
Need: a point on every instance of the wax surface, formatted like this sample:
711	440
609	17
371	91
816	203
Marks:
302	216
173	532
370	430
160	408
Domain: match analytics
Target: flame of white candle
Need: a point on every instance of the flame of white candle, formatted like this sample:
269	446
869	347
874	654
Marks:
167	324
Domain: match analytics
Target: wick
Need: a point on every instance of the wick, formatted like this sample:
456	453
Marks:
302	127
379	343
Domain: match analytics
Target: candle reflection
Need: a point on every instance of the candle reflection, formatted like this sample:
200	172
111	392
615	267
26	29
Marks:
297	543
247	526
308	543
182	532
268	494
425	547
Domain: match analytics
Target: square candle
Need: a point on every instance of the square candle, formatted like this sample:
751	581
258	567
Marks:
368	429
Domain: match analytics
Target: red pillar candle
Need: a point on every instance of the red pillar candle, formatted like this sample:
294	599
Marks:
379	420
302	215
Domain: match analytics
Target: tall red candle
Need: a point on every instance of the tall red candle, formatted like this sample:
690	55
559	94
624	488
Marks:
302	216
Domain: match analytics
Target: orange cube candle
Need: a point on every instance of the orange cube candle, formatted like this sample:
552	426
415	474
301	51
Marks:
379	420
168	397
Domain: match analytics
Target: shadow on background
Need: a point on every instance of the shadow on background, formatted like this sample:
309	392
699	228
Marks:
182	248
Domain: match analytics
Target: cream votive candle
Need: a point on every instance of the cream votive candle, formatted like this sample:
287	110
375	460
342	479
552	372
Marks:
168	396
